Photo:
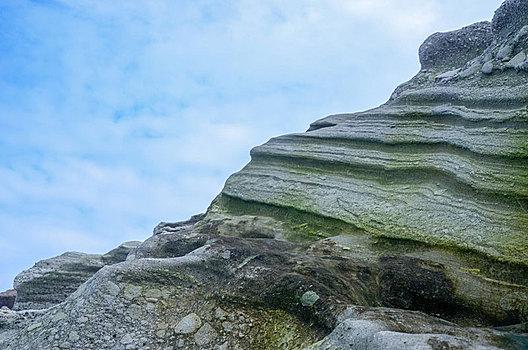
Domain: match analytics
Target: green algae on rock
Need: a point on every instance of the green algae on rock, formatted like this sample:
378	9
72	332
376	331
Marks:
444	161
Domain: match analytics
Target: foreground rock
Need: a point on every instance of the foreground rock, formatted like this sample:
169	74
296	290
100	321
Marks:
192	290
403	227
51	281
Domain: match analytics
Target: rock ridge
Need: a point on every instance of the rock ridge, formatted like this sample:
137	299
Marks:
401	227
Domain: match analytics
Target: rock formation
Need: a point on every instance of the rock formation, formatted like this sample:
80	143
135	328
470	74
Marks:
402	227
51	281
7	298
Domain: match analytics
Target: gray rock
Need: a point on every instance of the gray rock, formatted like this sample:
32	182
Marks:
455	48
487	68
73	336
380	329
505	52
127	339
448	75
8	298
189	324
120	253
401	171
50	281
205	335
255	299
309	298
401	227
517	60
166	227
510	17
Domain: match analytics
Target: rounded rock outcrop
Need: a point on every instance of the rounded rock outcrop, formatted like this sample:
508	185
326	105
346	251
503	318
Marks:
510	17
455	48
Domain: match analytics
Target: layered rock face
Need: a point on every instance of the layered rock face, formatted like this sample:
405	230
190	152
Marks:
193	290
51	281
444	162
402	227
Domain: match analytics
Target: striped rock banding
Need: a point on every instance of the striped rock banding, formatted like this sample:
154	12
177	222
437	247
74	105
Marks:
444	161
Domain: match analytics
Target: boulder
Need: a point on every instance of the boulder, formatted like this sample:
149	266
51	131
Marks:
7	298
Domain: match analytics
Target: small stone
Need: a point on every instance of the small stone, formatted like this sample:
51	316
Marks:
73	336
82	319
309	298
132	292
112	288
487	68
224	346
189	324
220	314
34	326
205	335
154	293
59	316
134	311
227	326
226	254
448	75
517	61
504	52
127	339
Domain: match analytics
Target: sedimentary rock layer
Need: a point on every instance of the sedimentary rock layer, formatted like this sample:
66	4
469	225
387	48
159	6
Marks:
50	281
193	290
402	227
444	161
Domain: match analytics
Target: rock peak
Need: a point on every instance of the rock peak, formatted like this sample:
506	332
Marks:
510	17
455	48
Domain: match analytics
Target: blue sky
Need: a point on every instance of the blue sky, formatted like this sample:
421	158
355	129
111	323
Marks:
115	115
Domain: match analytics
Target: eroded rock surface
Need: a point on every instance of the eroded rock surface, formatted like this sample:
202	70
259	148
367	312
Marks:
50	281
402	227
261	293
444	161
7	298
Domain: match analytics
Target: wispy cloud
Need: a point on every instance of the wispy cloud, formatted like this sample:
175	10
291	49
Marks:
115	115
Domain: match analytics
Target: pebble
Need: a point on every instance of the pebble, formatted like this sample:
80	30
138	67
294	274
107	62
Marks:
189	324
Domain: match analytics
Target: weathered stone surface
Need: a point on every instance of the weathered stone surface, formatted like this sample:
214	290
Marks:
444	161
7	298
269	294
402	227
510	17
50	281
362	328
167	227
457	47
